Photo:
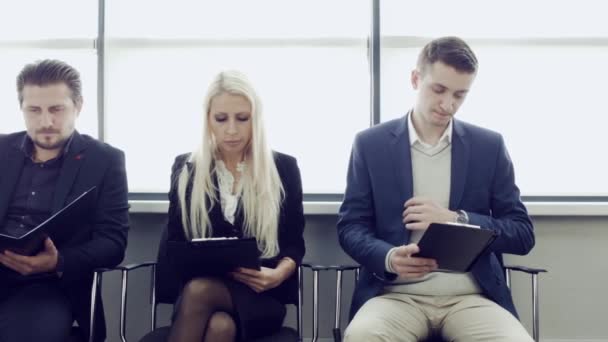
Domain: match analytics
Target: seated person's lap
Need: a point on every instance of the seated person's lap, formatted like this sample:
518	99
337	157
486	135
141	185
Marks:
250	319
402	317
36	312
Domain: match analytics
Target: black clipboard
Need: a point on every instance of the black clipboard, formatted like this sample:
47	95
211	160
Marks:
455	247
213	257
32	241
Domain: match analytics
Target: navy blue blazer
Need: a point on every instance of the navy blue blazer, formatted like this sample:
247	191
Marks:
380	181
291	220
99	243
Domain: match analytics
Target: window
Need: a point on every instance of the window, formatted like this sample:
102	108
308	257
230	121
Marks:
540	83
49	31
311	72
541	86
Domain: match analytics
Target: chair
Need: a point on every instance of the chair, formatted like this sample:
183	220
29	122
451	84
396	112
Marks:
533	272
339	269
165	289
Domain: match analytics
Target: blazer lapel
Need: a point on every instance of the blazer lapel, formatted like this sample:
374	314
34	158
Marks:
239	219
71	165
216	213
402	160
460	163
10	169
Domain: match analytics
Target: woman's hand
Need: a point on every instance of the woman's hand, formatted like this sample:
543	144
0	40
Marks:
266	278
259	281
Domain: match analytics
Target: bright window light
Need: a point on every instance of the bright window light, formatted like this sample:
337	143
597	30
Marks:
312	76
540	86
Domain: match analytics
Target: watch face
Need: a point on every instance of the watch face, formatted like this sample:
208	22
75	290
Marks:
461	218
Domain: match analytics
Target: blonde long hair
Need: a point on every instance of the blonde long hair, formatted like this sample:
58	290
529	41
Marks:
261	191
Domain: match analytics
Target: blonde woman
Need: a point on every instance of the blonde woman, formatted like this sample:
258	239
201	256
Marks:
234	185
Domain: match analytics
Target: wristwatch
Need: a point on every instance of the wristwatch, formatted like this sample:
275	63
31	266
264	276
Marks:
462	217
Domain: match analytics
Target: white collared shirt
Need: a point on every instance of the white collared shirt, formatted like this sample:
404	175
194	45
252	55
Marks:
415	141
228	200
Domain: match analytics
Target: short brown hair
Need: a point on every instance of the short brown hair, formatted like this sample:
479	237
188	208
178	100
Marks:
50	71
451	51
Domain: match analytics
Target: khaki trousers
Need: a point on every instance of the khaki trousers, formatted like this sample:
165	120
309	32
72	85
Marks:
411	318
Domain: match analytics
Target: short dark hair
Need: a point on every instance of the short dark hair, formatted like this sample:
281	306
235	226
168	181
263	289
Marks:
451	51
50	71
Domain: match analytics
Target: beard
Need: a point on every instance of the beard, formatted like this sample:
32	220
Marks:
50	145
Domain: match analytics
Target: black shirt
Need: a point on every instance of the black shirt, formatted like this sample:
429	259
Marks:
33	198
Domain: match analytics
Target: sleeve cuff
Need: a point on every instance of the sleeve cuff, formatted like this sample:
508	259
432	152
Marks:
387	261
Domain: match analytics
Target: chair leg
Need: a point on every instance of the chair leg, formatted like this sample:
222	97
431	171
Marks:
94	290
535	306
300	303
153	298
337	333
123	306
315	308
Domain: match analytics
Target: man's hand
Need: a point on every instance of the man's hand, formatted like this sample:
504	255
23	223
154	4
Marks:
420	212
259	281
409	267
45	261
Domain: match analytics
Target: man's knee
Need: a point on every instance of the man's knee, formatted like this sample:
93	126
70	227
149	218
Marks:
366	330
493	337
50	320
479	319
50	332
386	318
513	334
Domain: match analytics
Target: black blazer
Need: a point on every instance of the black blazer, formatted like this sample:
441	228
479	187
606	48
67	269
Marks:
99	243
291	221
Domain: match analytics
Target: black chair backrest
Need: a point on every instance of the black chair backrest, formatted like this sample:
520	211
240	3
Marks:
167	280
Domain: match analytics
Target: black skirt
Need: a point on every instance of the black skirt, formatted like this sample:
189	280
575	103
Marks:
255	314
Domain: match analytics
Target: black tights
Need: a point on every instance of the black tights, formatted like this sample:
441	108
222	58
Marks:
203	313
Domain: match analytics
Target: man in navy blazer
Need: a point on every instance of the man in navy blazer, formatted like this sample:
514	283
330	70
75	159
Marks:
41	170
429	167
